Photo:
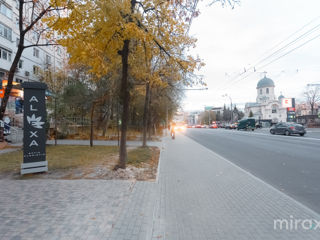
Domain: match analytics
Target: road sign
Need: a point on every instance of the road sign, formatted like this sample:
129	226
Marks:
208	108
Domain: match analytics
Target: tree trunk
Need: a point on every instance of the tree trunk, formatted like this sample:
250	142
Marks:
146	115
12	70
149	123
91	124
55	121
125	95
106	122
105	127
118	126
103	115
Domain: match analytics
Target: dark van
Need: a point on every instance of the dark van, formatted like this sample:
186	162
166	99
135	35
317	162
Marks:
247	124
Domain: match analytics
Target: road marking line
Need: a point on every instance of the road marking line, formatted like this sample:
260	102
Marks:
269	135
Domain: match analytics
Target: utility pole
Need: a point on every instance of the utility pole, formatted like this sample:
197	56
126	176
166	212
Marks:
231	110
226	95
55	121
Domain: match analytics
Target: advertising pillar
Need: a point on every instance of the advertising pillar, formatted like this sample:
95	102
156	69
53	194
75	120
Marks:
34	132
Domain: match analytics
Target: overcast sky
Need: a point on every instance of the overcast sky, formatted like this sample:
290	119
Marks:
231	40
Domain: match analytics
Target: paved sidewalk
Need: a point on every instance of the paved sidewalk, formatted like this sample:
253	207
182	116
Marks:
202	196
7	150
199	196
75	209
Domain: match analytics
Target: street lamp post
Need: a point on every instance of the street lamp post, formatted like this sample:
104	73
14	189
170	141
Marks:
226	95
207	109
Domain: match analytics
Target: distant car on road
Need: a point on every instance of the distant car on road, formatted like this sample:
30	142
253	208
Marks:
180	127
198	126
213	126
288	128
222	125
234	125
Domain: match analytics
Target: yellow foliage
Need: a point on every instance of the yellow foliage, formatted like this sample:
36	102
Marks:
94	31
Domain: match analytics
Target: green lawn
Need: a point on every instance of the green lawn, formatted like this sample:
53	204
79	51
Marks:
62	157
139	155
67	157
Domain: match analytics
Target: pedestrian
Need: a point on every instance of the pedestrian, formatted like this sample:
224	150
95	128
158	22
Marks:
18	105
172	132
7	124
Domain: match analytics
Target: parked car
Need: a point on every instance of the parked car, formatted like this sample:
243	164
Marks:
288	128
247	124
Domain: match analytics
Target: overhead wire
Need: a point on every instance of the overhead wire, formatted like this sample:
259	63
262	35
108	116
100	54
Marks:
256	67
301	45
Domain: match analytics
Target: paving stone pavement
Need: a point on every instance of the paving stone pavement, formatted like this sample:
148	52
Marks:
7	150
75	209
199	196
205	197
135	222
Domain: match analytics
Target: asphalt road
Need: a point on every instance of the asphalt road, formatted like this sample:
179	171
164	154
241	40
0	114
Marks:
289	163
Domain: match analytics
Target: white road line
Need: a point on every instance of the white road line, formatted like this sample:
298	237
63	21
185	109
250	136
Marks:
264	134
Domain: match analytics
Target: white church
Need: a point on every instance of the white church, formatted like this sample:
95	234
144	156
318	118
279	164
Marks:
267	106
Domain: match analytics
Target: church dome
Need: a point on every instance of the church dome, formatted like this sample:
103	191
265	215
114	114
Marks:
265	82
280	97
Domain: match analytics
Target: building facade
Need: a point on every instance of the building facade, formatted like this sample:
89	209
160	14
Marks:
34	60
267	106
303	109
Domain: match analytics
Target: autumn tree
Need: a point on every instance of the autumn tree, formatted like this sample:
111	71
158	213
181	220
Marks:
56	80
106	34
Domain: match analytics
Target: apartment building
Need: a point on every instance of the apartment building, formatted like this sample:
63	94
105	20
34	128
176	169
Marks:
34	58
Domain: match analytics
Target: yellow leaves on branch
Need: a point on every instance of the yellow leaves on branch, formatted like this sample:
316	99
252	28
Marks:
94	30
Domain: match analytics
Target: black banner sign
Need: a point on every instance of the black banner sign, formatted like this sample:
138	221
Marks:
34	134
